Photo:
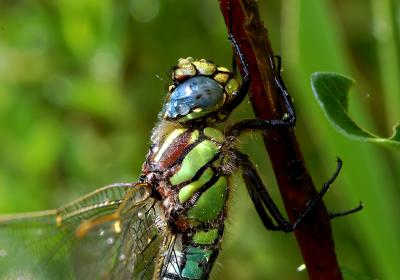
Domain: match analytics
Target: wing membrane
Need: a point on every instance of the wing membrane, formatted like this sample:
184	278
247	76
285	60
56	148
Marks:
39	245
124	246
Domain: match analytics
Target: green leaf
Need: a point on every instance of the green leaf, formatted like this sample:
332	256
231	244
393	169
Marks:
331	91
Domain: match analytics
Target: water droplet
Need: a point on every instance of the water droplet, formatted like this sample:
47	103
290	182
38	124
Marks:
117	226
110	241
141	215
122	257
301	267
3	253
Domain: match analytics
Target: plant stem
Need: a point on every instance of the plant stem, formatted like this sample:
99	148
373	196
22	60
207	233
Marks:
314	235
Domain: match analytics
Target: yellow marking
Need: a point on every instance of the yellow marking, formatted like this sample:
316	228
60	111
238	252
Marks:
232	85
86	226
195	135
168	142
205	67
59	220
223	69
117	226
221	78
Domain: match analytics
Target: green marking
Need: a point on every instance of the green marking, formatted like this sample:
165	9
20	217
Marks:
210	202
205	237
194	160
232	85
214	134
194	136
187	191
194	115
195	257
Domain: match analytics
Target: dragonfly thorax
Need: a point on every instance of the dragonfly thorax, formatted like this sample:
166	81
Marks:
185	166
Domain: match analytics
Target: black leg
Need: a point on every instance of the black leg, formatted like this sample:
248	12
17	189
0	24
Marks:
234	66
288	120
347	212
310	205
261	198
237	97
253	183
258	124
263	201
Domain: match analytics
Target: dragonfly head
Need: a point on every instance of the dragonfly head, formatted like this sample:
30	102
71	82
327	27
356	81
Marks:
199	89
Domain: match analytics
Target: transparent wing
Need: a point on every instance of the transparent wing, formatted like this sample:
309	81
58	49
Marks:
123	245
39	245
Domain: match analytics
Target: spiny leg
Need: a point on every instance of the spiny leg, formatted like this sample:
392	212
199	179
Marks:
261	198
310	205
238	96
289	119
263	201
347	212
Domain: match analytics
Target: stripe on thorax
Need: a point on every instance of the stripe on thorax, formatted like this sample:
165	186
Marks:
168	141
175	148
199	156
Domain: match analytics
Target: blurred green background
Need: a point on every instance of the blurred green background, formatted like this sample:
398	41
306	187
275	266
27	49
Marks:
81	83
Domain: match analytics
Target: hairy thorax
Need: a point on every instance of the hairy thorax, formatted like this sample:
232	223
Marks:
189	169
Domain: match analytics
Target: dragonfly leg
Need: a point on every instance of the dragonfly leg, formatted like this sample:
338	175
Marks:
289	119
312	203
265	206
238	96
347	212
264	202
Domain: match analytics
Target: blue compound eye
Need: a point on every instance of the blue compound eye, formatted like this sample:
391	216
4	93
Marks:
194	98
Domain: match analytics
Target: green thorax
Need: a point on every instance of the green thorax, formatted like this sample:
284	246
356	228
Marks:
190	160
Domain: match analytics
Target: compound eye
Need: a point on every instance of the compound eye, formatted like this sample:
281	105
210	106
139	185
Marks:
199	94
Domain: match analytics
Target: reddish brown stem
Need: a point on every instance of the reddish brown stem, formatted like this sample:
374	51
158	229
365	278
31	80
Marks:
314	236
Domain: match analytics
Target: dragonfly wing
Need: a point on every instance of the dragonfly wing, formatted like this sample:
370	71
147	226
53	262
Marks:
33	247
38	245
123	245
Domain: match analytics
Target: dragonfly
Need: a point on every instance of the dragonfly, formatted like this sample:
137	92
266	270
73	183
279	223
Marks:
169	224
